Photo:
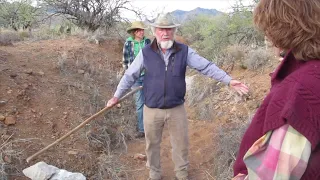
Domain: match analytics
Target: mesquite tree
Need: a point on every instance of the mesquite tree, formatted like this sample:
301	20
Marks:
90	14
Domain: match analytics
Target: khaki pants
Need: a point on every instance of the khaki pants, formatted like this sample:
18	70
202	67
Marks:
154	120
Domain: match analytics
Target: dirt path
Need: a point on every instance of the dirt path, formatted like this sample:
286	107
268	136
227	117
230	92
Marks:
201	146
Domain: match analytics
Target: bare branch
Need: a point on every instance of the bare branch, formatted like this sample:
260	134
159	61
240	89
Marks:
92	14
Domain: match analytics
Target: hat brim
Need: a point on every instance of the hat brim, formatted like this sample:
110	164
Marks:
159	26
133	28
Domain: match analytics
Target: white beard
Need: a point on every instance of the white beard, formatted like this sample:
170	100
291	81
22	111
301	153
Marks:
166	44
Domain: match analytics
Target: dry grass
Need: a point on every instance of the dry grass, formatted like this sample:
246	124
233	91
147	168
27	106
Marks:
110	168
61	63
258	58
207	99
231	56
198	97
12	154
8	37
106	135
227	138
45	32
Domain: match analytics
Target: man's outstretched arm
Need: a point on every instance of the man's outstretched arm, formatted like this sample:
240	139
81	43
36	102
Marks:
209	69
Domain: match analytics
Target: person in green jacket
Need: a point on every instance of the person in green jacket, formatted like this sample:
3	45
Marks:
131	48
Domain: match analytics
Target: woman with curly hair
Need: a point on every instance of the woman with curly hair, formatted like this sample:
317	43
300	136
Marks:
282	141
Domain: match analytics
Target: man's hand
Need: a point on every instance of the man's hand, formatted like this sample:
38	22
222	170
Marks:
239	87
112	101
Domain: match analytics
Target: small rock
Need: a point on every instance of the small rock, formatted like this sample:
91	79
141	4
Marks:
65	113
32	110
2	117
80	71
21	92
72	152
29	71
9	91
41	73
7	159
65	175
10	120
14	110
3	102
25	86
13	75
139	156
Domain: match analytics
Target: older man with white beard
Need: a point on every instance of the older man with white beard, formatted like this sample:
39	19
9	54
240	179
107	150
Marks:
165	61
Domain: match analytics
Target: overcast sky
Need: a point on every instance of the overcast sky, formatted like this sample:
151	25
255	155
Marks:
150	7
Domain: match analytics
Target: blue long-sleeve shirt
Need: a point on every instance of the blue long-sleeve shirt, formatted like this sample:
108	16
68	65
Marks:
194	61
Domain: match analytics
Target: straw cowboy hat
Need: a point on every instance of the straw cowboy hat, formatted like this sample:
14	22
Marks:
136	25
164	21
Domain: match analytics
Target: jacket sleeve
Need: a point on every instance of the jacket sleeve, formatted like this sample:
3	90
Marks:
206	67
282	153
125	57
130	76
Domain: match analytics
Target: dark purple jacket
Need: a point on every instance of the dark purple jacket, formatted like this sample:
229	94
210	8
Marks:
294	99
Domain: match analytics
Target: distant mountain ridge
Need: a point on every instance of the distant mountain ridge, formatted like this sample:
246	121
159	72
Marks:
182	16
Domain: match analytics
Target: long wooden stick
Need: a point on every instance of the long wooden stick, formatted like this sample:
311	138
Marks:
82	124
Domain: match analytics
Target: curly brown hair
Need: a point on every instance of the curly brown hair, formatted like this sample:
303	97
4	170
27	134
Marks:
291	25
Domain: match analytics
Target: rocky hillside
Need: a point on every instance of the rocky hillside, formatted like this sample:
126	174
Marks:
182	16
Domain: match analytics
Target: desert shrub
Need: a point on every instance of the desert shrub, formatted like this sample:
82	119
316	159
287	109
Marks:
110	168
257	58
24	35
112	130
231	56
8	37
227	138
238	52
12	153
45	32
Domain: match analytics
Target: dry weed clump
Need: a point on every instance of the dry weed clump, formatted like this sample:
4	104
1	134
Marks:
12	154
231	56
238	52
89	84
110	167
208	99
198	97
258	58
7	37
114	129
227	138
45	32
111	131
61	64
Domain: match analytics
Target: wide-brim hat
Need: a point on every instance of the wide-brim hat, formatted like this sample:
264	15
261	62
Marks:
136	25
164	21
